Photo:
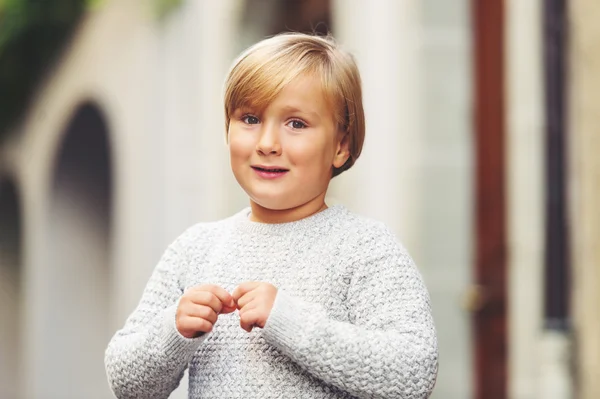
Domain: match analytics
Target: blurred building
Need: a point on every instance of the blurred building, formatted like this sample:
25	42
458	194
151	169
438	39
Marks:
481	154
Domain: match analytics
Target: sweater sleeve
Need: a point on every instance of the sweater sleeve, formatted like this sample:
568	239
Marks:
148	357
389	347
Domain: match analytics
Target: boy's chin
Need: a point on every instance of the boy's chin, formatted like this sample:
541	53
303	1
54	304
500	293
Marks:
274	203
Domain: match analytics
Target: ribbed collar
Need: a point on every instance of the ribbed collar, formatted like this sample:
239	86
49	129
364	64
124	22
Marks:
316	223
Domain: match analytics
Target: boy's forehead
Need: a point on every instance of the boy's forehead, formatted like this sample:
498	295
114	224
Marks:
289	104
249	105
301	94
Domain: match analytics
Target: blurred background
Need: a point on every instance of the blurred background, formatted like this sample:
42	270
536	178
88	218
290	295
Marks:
482	153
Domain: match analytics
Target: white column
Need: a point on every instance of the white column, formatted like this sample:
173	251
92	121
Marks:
197	49
218	48
384	37
525	188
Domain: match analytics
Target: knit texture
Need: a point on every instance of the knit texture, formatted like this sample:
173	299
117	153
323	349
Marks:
351	317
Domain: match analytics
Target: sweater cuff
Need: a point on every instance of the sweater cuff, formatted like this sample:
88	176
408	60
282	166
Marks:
171	341
285	326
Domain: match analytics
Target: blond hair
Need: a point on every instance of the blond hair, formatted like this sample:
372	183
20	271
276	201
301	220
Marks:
262	71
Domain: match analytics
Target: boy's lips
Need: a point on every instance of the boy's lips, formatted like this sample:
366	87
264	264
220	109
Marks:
269	172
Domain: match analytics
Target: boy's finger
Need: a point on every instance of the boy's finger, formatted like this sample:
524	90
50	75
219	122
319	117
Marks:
199	324
250	306
204	312
219	292
245	299
228	309
206	298
249	319
243	289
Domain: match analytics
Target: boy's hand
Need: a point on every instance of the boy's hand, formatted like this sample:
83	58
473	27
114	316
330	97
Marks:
199	308
255	301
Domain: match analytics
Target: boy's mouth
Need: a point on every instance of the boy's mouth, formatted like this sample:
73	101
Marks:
273	169
269	172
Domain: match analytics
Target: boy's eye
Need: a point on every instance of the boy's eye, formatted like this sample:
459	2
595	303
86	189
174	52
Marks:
296	124
250	120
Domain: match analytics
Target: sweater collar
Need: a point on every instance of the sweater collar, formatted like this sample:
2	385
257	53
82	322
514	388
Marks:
315	223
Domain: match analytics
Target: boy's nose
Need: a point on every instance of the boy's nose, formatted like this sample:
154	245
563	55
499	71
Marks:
269	141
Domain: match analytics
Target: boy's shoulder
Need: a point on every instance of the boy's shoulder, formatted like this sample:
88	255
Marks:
370	241
366	226
367	232
216	225
204	233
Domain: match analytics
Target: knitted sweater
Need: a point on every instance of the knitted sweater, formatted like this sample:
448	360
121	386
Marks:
351	317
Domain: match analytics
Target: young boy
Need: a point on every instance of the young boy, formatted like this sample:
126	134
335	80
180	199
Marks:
288	298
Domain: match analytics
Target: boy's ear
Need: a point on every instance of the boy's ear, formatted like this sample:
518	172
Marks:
342	152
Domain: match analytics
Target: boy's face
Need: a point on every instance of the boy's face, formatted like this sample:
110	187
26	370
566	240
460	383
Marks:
283	156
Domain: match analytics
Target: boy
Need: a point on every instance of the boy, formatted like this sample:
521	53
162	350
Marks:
288	298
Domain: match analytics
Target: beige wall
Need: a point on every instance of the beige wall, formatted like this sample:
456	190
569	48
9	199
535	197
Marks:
585	188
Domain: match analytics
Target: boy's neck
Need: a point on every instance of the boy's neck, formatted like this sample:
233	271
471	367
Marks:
261	214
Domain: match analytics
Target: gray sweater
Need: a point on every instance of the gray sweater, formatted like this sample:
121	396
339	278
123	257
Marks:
351	317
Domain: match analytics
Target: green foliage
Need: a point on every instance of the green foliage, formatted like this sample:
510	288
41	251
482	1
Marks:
32	33
94	4
12	19
164	7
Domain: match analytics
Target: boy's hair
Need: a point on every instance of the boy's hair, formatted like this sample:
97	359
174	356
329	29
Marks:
263	70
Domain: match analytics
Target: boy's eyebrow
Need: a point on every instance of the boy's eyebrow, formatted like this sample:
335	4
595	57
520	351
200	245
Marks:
289	108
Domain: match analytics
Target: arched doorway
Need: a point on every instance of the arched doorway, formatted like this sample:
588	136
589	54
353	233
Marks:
10	288
78	237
